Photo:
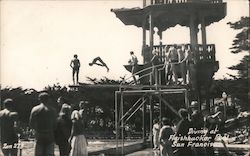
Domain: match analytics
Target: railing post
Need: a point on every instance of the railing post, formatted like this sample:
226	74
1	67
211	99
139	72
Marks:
203	35
122	124
151	31
116	122
143	121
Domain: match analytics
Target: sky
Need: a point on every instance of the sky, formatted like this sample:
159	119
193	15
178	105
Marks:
39	39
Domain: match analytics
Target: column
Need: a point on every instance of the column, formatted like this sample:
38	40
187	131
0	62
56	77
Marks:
151	31
144	121
203	36
144	39
144	3
151	112
151	39
160	43
193	26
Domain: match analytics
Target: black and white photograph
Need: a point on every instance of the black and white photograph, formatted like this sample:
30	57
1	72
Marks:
124	78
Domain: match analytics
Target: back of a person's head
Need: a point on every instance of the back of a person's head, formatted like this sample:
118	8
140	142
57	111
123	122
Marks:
155	121
166	121
83	104
131	52
43	97
217	109
61	100
65	110
183	113
8	103
75	115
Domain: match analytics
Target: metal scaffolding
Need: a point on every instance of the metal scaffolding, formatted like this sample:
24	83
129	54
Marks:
146	95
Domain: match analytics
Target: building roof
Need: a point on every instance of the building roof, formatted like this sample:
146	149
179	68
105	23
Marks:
169	15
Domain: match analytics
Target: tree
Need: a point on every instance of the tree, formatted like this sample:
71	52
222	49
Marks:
241	43
238	87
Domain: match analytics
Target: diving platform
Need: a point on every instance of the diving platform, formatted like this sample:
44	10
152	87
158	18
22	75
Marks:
127	86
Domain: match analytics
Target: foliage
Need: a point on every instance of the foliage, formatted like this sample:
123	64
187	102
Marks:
237	88
241	43
100	107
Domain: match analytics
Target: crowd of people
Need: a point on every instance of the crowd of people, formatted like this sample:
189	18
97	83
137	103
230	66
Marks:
64	128
177	63
195	124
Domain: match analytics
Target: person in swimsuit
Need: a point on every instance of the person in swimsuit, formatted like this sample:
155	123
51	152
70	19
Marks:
98	61
75	65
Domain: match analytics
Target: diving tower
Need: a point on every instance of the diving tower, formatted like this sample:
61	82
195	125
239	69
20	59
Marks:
164	14
201	61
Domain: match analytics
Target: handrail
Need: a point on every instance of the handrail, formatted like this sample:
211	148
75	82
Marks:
151	67
157	2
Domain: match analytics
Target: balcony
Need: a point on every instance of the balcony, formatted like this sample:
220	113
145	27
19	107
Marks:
156	2
199	53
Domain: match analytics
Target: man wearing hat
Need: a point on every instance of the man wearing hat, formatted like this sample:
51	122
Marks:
8	125
197	121
196	116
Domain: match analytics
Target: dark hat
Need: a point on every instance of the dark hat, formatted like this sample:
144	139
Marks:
8	103
183	113
83	103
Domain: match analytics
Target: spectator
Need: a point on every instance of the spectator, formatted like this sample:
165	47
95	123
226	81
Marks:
83	112
212	123
8	125
196	116
165	143
62	102
43	121
77	139
63	130
156	130
182	130
197	121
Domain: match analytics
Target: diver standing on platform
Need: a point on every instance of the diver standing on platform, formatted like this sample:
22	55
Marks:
75	65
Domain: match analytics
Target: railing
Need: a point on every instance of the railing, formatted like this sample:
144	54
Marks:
153	2
200	53
142	76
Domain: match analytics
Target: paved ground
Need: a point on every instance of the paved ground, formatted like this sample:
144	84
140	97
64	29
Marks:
145	152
